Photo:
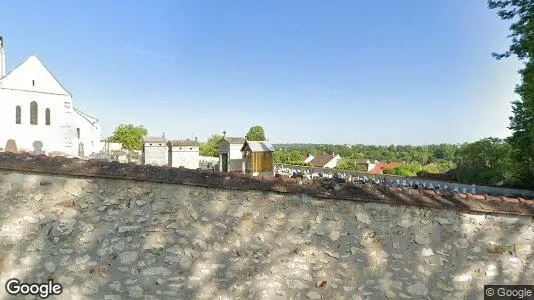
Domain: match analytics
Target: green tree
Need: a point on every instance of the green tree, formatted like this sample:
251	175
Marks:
522	120
404	170
347	165
256	133
211	147
487	161
129	136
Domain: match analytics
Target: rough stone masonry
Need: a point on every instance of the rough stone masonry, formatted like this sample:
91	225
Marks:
122	239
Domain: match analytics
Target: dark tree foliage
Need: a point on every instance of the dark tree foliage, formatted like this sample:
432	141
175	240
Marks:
521	13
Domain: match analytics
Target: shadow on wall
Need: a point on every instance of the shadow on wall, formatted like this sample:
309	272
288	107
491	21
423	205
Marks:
101	237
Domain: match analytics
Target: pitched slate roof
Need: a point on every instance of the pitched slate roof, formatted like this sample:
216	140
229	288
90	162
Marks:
234	140
87	117
258	146
33	59
321	160
184	143
154	139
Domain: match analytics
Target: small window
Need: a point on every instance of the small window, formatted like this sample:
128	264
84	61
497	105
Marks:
47	116
191	148
78	132
33	113
150	144
18	115
33	82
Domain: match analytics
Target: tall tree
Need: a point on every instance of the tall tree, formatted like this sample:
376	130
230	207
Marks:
211	147
129	136
522	120
256	133
487	161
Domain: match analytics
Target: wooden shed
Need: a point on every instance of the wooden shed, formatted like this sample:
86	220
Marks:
258	158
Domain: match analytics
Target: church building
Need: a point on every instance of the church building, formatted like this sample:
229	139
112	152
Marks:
38	114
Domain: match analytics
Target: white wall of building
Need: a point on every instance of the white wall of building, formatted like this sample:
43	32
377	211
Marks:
186	156
29	82
25	134
90	132
106	146
235	157
155	155
333	163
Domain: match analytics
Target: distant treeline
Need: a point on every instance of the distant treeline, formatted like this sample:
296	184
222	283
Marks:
488	161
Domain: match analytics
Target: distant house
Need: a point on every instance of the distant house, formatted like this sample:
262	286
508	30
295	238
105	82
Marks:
325	161
155	151
258	158
307	159
368	164
230	157
183	154
380	167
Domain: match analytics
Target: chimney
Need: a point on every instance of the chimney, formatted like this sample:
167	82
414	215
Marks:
2	58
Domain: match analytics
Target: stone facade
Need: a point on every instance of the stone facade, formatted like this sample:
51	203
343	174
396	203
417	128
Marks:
120	239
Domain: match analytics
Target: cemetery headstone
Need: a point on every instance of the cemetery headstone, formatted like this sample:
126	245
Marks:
11	146
37	148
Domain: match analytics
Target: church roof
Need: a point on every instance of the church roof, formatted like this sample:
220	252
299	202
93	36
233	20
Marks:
86	116
19	79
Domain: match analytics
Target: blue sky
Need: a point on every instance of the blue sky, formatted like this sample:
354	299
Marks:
370	72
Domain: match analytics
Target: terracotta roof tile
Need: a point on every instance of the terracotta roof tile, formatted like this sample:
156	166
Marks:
379	168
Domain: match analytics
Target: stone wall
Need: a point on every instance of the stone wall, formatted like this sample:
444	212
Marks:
122	239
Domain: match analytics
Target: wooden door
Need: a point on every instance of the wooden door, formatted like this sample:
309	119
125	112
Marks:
224	162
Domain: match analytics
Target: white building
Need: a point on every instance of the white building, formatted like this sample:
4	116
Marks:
36	109
230	156
325	161
184	154
107	146
155	151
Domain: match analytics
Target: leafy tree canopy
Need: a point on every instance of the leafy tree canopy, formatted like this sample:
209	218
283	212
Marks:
211	146
521	13
256	133
129	136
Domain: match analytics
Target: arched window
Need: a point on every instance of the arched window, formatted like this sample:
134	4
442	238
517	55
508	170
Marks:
18	113
47	116
33	113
